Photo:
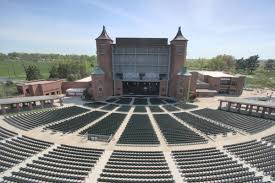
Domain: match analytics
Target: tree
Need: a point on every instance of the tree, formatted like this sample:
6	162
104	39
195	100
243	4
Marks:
32	73
269	65
240	64
264	79
53	72
63	70
220	63
249	64
228	61
252	63
216	64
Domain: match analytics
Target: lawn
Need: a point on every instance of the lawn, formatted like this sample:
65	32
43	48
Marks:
8	90
15	69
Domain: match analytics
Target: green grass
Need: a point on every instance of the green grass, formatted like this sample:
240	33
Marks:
249	82
15	69
7	90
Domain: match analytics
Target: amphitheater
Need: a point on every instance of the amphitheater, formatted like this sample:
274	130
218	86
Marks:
136	139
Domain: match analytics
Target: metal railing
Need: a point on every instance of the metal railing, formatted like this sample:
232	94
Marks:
96	137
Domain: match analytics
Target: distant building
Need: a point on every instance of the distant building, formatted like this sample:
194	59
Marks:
40	87
210	83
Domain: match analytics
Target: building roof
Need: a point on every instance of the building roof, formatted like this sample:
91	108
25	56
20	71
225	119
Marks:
215	74
179	36
97	71
87	79
37	82
17	100
103	35
184	72
249	101
142	41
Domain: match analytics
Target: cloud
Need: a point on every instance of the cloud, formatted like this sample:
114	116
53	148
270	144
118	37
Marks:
116	11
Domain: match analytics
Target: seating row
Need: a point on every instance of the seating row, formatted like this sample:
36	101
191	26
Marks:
139	130
127	166
18	149
243	122
211	165
175	132
30	120
62	164
71	125
257	154
4	133
201	124
270	138
107	126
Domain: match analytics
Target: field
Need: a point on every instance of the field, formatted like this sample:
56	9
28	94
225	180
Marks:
7	90
15	69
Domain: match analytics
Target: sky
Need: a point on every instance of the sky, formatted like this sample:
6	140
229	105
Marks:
237	27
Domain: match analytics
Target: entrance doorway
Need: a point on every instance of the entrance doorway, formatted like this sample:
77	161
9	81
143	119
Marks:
140	88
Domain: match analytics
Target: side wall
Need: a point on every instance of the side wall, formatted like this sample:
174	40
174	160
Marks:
52	88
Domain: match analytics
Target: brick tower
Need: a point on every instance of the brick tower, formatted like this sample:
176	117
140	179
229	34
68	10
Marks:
104	60
178	59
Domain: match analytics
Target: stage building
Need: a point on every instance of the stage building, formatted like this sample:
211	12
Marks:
140	66
149	67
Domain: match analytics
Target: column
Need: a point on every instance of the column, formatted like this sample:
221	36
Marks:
229	106
246	108
263	112
17	107
42	102
61	101
3	109
220	107
239	107
250	109
269	110
52	101
258	108
30	105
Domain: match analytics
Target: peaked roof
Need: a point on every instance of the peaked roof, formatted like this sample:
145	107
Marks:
179	36
184	72
97	71
104	34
